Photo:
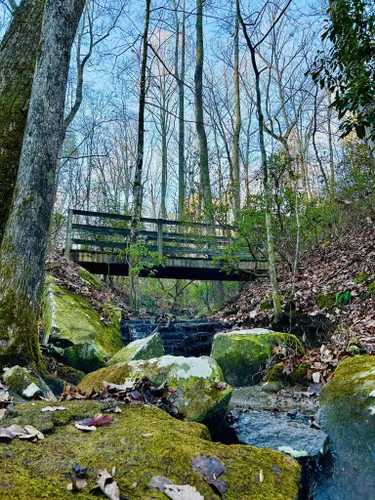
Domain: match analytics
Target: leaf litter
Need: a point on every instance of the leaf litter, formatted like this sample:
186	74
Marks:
210	468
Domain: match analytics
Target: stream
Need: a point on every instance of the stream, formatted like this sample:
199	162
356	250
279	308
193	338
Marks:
282	419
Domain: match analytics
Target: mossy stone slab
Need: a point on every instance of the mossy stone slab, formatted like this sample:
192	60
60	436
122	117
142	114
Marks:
149	347
241	354
75	331
143	443
347	414
26	385
195	379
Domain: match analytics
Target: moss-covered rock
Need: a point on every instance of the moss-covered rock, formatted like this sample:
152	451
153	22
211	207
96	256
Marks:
21	382
91	279
149	347
325	300
143	443
347	414
76	332
242	354
195	379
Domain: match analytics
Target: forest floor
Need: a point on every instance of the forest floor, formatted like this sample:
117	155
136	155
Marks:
335	283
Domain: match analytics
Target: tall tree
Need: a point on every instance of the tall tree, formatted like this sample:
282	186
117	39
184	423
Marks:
199	115
180	76
138	176
23	250
265	167
18	53
236	195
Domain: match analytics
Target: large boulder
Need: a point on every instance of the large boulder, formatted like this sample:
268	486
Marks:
199	395
144	442
76	332
25	384
242	354
347	414
149	347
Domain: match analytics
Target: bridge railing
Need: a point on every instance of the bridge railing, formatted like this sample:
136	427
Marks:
104	232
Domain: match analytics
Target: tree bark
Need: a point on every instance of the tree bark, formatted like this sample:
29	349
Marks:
236	195
180	75
137	184
18	53
23	249
199	116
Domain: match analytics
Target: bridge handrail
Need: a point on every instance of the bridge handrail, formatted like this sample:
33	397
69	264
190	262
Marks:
212	247
148	220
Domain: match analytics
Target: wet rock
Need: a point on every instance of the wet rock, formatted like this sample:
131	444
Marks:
75	331
281	432
242	354
199	395
149	347
144	442
26	385
348	414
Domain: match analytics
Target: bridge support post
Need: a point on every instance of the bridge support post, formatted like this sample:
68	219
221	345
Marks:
160	238
68	238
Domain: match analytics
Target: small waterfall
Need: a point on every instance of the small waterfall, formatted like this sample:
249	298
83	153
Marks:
180	338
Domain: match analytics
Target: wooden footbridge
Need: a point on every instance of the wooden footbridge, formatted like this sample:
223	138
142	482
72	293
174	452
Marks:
99	242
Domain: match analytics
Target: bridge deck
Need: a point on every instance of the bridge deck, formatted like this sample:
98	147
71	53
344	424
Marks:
184	251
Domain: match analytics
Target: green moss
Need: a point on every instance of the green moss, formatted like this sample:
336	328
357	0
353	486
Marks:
266	304
242	356
143	443
69	374
361	278
147	348
354	373
371	288
197	397
19	335
275	374
300	374
72	326
325	300
91	279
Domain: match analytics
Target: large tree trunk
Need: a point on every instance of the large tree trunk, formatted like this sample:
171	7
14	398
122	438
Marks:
23	249
18	52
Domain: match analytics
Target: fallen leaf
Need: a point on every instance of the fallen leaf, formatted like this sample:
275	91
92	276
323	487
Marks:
108	486
160	482
210	468
53	408
261	476
12	432
147	435
185	492
98	421
32	434
84	427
